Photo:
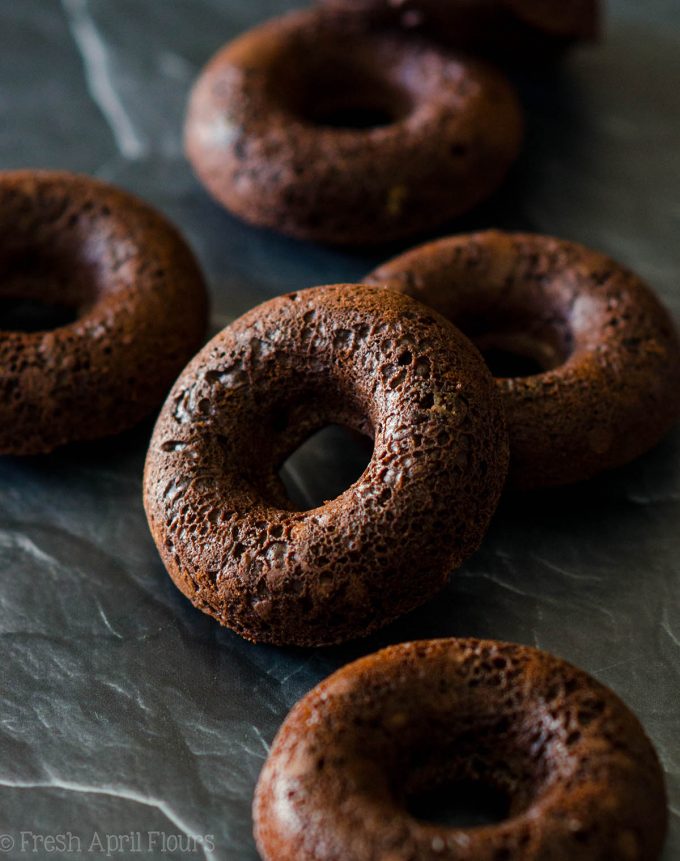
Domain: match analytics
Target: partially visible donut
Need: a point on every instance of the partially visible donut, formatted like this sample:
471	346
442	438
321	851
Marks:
375	362
606	386
581	778
516	30
137	292
342	136
576	19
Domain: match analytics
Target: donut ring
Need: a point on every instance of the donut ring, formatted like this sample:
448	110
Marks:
610	353
581	778
364	358
140	299
347	137
501	27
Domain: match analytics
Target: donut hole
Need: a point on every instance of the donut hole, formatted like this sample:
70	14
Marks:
344	91
325	465
40	291
475	779
350	114
458	769
461	804
510	356
519	345
32	315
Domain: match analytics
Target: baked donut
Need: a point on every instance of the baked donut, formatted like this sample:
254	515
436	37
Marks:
348	137
348	768
519	30
603	376
372	361
136	291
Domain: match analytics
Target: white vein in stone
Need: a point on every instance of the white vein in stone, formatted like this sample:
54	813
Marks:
112	792
570	575
502	584
666	626
613	666
657	499
105	620
12	539
261	739
97	75
292	673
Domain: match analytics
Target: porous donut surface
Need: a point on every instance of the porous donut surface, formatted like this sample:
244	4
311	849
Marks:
610	349
260	132
139	297
370	360
582	779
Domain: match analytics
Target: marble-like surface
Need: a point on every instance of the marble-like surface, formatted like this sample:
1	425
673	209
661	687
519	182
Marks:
125	710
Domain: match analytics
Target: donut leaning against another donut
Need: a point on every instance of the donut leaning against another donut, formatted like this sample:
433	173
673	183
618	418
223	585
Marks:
581	778
373	361
608	350
341	136
139	297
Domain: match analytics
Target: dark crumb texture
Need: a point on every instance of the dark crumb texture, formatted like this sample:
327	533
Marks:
343	136
582	779
134	287
517	31
608	350
375	362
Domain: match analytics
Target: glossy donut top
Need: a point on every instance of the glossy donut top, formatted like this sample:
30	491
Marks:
137	293
352	355
607	348
582	779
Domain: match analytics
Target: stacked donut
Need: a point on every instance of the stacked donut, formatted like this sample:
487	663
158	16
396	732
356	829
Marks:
366	358
469	362
360	123
392	368
354	122
577	774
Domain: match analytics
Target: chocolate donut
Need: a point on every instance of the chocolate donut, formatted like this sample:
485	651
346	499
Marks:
518	30
579	777
603	375
134	287
331	134
372	361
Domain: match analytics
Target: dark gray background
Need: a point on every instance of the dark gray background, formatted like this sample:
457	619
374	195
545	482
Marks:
124	709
